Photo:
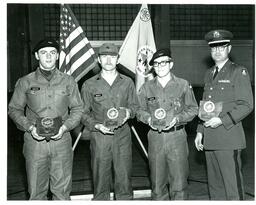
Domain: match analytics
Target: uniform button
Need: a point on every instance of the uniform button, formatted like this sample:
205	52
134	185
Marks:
211	88
222	88
209	96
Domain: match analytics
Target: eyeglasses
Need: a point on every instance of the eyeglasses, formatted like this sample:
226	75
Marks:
162	63
220	48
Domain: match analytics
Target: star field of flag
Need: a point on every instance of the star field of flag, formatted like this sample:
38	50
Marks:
77	57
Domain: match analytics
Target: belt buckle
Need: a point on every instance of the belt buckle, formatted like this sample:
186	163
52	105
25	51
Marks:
175	128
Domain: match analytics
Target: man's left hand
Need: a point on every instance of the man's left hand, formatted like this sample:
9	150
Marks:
172	123
213	122
62	129
127	116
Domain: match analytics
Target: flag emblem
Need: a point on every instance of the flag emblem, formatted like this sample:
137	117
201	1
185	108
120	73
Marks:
144	15
145	54
138	47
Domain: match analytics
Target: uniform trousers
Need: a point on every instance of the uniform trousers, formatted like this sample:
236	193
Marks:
107	152
49	164
168	163
225	179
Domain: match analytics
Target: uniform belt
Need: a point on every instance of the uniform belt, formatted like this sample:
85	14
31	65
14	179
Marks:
175	128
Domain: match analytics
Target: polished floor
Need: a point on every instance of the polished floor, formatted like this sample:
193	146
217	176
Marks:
82	179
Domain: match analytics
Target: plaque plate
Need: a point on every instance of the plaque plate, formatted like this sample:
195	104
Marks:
114	117
161	118
48	127
209	109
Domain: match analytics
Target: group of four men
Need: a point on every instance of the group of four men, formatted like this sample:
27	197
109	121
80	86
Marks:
48	99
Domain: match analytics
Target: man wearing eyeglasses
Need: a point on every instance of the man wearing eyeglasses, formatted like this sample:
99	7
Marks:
171	100
223	135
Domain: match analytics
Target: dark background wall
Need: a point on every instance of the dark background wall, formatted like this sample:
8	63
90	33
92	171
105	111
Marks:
182	27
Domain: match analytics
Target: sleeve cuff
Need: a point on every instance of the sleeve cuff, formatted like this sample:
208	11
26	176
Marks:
68	126
200	128
227	120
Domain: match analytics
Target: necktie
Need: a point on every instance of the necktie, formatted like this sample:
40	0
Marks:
216	72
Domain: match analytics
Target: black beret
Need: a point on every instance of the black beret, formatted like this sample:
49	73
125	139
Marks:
48	42
218	37
160	53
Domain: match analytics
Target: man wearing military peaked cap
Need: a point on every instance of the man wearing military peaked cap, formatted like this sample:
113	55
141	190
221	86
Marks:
218	37
48	42
159	53
221	135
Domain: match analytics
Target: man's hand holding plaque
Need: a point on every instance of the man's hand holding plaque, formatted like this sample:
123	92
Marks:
114	117
209	109
47	127
160	118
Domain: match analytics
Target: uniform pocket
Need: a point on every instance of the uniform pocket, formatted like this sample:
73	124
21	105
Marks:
62	97
98	98
226	92
35	99
153	103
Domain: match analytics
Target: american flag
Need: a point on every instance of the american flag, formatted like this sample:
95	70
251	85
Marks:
77	57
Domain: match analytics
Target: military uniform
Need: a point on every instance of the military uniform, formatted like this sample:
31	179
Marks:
168	150
99	96
223	144
47	160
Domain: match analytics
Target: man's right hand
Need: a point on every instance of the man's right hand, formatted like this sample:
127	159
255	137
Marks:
198	141
150	124
103	129
35	135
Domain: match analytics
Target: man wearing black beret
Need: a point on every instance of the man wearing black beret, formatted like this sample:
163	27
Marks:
167	103
53	106
226	84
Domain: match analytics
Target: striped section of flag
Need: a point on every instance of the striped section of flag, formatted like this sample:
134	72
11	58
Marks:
77	57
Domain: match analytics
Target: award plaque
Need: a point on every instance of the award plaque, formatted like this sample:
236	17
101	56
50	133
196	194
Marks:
114	117
209	109
161	118
48	127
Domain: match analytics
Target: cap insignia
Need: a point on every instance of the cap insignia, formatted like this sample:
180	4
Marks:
216	34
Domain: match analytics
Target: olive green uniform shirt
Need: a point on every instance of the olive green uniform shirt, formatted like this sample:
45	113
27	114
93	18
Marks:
176	94
42	98
99	96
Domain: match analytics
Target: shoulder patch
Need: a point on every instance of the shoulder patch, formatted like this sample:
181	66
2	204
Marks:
244	72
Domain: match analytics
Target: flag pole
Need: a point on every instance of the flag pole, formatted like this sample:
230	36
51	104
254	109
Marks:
77	139
134	131
138	138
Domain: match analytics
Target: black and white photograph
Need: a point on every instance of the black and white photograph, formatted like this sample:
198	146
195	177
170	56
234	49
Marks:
134	100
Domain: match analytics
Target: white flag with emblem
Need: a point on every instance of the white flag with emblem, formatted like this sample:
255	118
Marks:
138	47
